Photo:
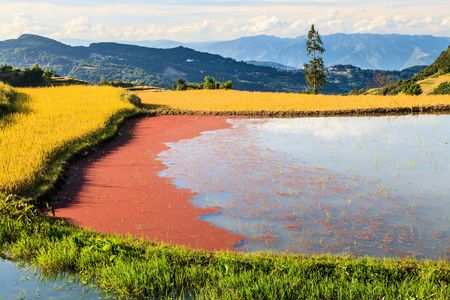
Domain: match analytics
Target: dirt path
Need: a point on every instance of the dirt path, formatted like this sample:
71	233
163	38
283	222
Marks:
118	190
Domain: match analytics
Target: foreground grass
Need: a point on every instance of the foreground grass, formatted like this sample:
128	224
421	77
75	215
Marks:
48	125
135	268
218	100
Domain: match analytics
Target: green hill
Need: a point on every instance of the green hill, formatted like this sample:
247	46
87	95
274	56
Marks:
439	67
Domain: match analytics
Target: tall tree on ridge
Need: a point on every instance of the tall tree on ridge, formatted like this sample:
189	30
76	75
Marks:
315	73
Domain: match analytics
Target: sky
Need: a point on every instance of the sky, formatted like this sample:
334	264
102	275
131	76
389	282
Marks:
202	20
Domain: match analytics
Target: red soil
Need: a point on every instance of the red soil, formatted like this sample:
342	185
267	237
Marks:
118	190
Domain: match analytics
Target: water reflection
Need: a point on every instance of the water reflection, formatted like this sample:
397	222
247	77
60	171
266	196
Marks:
374	186
18	281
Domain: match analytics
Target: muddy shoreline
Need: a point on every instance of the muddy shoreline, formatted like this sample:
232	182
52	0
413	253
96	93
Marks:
118	189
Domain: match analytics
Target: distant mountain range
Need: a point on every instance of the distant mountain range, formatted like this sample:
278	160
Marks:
367	51
161	67
151	66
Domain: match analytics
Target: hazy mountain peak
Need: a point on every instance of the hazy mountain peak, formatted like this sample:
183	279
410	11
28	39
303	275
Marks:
33	39
365	50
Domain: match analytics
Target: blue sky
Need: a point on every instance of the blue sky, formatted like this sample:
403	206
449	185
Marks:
201	20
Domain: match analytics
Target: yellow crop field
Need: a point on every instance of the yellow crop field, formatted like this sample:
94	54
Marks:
429	84
49	119
220	100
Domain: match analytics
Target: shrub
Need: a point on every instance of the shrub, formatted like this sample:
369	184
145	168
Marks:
132	98
412	88
442	89
6	92
227	85
7	95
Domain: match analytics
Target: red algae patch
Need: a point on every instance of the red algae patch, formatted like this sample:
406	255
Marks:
118	189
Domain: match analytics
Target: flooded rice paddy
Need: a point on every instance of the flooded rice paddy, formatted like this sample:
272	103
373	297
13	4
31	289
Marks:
18	281
375	186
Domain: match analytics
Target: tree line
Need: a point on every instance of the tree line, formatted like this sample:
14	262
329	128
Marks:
118	83
28	77
209	84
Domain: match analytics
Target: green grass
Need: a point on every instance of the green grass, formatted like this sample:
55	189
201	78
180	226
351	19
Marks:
142	269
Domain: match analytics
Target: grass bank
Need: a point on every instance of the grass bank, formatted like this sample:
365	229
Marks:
48	127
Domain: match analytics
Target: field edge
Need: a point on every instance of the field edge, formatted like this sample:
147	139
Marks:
430	109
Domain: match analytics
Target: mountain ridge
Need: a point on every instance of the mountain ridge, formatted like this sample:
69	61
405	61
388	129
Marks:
364	50
161	67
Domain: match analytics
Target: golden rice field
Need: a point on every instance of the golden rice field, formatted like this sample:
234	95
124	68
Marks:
47	121
219	100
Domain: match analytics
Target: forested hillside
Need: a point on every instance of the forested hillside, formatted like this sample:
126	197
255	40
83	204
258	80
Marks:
161	67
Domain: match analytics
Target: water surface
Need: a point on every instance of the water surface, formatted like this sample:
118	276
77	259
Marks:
358	185
18	281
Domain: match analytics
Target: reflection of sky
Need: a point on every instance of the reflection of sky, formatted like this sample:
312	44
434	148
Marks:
358	185
393	148
18	282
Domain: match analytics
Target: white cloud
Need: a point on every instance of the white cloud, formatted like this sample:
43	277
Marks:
371	25
21	23
445	21
402	24
22	20
219	20
203	27
328	22
259	25
77	27
208	29
427	20
401	19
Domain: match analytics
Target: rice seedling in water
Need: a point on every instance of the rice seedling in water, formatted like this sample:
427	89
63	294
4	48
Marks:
338	203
